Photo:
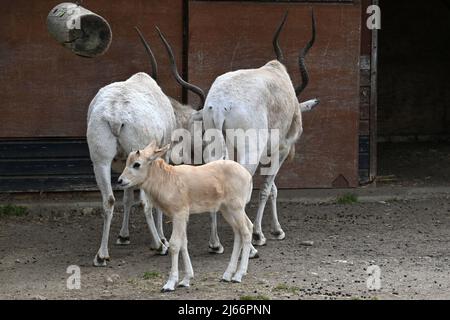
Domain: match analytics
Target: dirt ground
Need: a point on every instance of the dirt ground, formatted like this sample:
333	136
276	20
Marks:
415	164
408	240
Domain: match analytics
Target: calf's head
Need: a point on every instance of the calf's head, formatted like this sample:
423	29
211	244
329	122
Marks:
138	164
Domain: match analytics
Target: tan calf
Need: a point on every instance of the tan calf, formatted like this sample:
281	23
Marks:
179	191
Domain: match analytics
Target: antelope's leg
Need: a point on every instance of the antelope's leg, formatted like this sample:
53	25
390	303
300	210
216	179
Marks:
258	236
157	244
103	177
124	234
276	230
214	242
159	226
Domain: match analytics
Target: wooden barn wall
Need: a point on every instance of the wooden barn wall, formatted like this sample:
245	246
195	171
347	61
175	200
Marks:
327	154
46	89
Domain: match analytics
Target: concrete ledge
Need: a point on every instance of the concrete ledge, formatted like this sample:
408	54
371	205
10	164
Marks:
90	202
368	194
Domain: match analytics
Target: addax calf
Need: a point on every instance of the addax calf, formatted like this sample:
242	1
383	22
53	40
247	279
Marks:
179	191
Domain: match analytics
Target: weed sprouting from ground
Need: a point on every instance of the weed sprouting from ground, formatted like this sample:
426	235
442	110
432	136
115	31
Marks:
257	297
151	275
285	288
347	198
12	211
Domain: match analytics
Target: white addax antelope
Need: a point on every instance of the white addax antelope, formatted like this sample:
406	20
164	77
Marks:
182	190
122	117
261	99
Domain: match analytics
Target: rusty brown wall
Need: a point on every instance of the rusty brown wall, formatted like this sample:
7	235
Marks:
226	36
46	90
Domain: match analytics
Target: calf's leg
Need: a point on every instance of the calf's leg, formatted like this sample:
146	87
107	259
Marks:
246	236
179	222
188	271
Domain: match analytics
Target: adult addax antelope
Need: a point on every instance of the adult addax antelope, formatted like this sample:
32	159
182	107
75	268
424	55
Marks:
262	99
122	117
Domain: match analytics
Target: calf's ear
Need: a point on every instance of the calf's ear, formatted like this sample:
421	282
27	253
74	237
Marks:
151	146
163	149
159	152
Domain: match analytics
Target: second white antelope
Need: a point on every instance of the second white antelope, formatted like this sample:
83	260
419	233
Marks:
262	99
179	191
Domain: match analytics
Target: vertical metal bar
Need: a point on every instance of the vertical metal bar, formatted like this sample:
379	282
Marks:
185	58
373	102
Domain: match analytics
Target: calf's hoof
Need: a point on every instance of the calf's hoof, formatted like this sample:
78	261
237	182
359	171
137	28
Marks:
184	284
100	262
237	278
259	239
278	234
215	249
123	241
226	277
169	287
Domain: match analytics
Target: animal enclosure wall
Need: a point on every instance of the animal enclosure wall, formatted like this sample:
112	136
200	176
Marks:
327	153
46	90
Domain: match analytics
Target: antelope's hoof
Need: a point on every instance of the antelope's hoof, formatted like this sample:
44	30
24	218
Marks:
123	241
163	250
100	262
254	254
184	284
259	239
165	242
216	250
278	234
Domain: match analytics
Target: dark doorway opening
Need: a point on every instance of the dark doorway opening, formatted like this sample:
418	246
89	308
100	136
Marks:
414	93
